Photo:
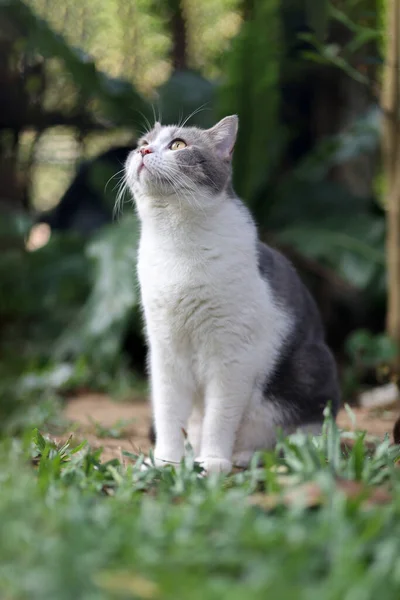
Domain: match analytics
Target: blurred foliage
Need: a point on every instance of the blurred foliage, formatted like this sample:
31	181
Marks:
51	281
363	31
132	40
118	100
339	232
371	350
250	89
360	137
370	357
100	325
317	521
66	309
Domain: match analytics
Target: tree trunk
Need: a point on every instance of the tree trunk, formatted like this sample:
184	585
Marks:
391	156
179	41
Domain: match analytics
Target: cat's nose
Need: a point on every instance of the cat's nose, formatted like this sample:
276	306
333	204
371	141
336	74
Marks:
145	150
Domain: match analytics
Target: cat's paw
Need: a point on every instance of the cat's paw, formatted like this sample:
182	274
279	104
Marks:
214	465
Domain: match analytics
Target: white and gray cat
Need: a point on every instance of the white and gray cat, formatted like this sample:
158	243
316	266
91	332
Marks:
236	343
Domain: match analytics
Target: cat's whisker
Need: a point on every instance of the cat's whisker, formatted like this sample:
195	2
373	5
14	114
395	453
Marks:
119	183
142	132
193	113
113	177
159	117
180	119
123	189
153	110
146	120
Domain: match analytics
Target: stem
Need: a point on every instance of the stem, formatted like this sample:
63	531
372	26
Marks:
391	157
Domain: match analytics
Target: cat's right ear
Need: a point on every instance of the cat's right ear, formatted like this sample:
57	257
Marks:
223	136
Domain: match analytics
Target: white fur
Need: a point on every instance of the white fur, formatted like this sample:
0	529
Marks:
214	329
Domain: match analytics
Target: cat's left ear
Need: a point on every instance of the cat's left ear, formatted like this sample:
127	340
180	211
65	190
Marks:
223	136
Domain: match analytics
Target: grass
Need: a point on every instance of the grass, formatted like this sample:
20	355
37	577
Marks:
320	520
116	431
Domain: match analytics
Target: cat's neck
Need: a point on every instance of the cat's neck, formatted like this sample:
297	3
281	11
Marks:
181	213
213	221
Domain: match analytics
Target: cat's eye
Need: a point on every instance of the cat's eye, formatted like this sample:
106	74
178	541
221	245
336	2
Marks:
144	143
177	145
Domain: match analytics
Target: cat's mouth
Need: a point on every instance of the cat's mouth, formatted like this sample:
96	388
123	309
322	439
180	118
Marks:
140	168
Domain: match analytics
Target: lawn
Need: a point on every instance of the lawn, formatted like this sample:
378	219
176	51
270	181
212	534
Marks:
320	520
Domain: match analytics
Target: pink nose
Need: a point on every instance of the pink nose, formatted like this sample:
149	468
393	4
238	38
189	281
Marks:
145	150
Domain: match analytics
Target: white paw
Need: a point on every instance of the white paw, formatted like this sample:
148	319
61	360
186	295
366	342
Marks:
242	459
215	465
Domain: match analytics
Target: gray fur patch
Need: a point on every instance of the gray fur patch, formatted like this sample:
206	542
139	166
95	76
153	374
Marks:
305	379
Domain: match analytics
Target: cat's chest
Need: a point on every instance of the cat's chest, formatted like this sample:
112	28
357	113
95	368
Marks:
180	291
167	280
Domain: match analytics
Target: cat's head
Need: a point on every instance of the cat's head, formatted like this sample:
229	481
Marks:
173	162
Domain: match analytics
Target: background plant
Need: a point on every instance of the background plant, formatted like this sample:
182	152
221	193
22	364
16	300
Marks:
306	160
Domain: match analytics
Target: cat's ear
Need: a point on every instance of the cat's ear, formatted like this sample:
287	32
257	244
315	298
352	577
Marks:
223	136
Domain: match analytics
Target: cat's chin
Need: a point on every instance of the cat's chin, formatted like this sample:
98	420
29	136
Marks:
156	191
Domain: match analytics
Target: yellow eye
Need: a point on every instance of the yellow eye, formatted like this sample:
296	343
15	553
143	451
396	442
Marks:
178	145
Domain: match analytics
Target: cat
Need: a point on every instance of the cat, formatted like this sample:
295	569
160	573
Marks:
236	344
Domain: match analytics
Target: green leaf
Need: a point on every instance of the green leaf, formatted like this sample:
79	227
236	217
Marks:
343	245
39	440
361	136
103	320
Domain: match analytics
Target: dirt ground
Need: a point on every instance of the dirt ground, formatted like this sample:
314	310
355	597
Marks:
90	412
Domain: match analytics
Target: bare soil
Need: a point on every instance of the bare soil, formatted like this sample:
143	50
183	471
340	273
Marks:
85	411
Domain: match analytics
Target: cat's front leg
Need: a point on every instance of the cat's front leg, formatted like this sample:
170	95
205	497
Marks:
225	402
172	399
